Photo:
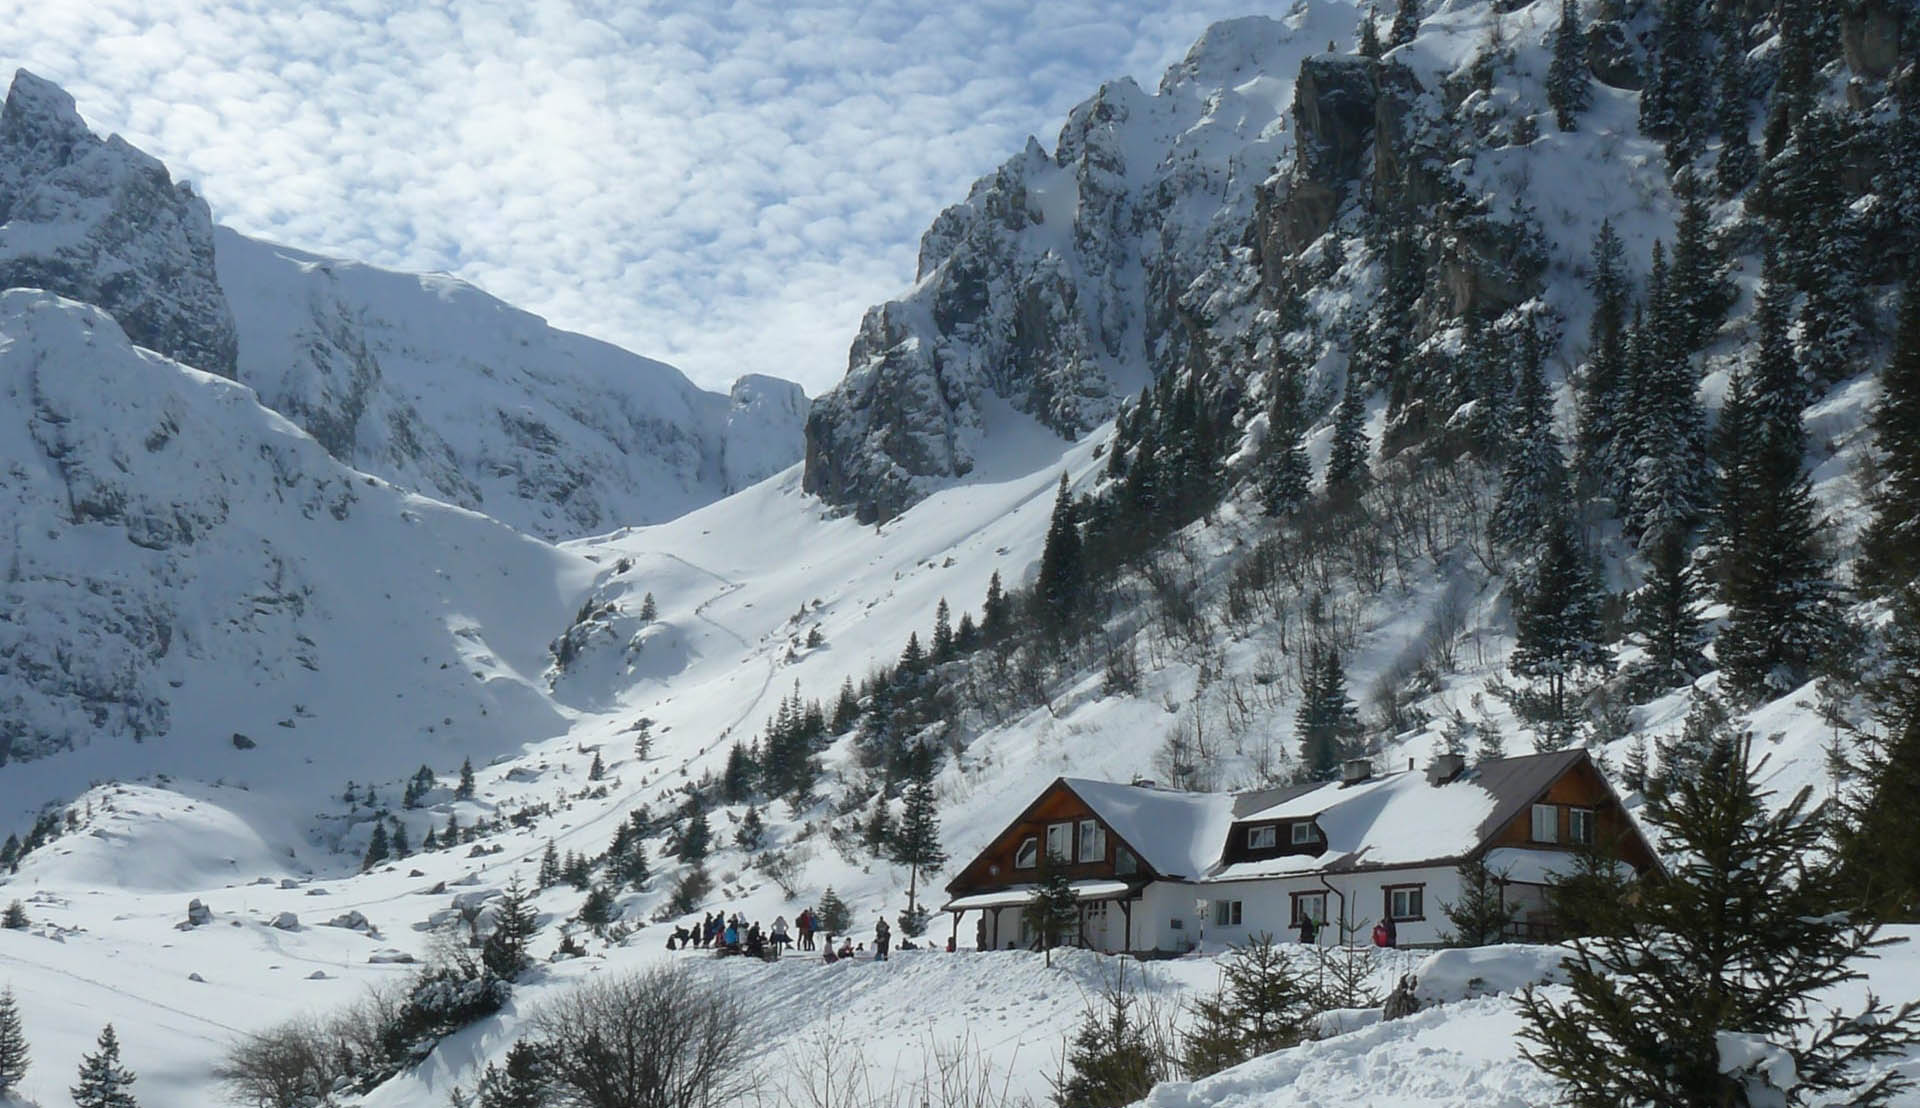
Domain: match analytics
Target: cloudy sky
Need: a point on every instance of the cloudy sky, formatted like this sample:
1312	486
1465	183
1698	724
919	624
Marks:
724	190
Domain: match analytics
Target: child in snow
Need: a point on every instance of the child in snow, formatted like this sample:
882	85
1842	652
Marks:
881	940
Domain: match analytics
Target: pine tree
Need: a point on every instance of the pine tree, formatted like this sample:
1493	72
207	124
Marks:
521	1083
913	660
1734	939
942	640
1110	1060
995	610
1699	286
1060	579
1558	608
1887	566
1665	437
465	790
15	917
505	950
598	768
752	831
847	708
1326	725
1781	616
399	846
1674	98
1284	475
695	836
1601	441
1568	69
648	611
376	847
1348	471
1054	914
549	875
1407	21
1489	743
1368	42
1666	614
916	842
1533	479
599	909
13	1043
832	914
880	828
104	1082
1736	162
1481	914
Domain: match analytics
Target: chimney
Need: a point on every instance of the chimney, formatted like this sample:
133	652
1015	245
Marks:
1445	768
1355	770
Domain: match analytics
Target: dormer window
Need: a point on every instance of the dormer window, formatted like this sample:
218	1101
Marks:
1303	832
1262	838
1025	854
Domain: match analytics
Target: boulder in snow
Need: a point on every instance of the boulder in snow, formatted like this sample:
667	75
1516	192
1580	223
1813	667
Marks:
287	921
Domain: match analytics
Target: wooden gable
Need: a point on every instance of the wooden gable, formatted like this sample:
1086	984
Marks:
1583	787
995	868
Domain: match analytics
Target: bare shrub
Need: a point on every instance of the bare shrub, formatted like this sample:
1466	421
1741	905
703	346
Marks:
656	1039
290	1066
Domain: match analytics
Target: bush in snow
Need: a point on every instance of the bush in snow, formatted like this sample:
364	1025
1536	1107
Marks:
682	1040
1111	1061
1262	1004
290	1066
15	918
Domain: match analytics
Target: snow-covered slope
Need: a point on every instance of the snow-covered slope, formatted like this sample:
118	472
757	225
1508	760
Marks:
435	385
194	587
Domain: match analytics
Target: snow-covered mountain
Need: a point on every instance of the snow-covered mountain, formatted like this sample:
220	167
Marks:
194	587
425	381
435	385
182	559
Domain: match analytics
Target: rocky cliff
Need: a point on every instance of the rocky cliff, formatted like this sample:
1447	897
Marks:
101	222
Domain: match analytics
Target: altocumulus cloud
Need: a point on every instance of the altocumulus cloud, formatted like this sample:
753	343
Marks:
726	188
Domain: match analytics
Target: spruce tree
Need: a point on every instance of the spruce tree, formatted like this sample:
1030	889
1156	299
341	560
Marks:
1558	609
1054	914
13	1043
1675	95
1601	441
1368	42
1482	913
1348	471
465	790
832	914
695	836
598	768
15	917
916	842
1665	432
1887	566
521	1083
1568	69
738	774
1699	286
599	909
505	950
648	611
1781	617
1060	579
1736	938
103	1081
1666	614
1283	480
376	847
549	874
1326	725
995	610
1876	767
751	832
1533	479
1407	21
942	640
1736	162
1110	1060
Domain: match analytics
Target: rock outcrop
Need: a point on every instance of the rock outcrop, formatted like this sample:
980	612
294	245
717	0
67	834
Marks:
98	221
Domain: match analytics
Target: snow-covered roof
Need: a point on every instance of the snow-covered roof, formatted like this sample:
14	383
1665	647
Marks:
1022	894
1391	820
1179	834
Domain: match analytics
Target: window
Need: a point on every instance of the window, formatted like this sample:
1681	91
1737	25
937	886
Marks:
1228	913
1060	845
1303	832
1092	846
1124	861
1311	905
1582	825
1542	823
1261	838
1403	902
1025	854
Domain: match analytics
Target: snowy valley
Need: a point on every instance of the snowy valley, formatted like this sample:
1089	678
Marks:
339	599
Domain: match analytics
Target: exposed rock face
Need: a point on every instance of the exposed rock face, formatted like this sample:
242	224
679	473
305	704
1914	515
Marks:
1059	285
1877	35
99	221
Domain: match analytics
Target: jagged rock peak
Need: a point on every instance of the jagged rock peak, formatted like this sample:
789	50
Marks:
101	222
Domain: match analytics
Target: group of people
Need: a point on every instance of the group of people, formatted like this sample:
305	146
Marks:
725	934
1383	936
